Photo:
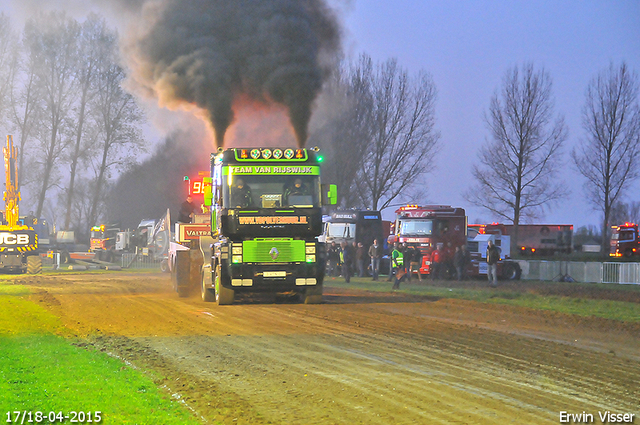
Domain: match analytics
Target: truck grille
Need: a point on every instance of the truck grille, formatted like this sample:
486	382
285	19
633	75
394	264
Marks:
273	251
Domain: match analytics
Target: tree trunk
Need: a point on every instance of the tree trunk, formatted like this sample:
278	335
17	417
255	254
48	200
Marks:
74	160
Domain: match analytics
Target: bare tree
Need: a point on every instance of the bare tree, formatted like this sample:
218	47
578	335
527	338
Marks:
516	175
53	38
117	116
93	37
341	128
624	213
8	43
24	103
609	156
402	130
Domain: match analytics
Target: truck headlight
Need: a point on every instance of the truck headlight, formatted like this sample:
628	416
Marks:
236	259
310	249
311	258
236	250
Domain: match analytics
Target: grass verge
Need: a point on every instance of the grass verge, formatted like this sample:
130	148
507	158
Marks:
515	294
42	370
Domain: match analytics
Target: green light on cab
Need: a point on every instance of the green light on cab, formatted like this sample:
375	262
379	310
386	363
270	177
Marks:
186	178
320	159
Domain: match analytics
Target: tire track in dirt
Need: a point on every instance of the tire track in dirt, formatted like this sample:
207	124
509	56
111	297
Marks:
358	359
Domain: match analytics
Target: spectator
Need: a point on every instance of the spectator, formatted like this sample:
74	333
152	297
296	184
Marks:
360	257
416	263
493	255
333	254
186	210
396	261
447	270
346	258
466	260
435	263
407	258
399	276
354	262
375	253
458	263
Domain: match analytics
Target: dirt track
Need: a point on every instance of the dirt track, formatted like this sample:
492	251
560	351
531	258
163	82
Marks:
358	358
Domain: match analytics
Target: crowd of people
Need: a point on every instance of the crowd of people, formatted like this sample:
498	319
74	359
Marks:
354	259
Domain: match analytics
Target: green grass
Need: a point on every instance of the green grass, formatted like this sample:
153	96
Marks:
616	310
41	370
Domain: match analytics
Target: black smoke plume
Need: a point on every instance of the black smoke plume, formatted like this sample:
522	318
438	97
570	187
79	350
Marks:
147	189
208	53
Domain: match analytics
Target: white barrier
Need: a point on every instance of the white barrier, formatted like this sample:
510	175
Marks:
621	273
581	271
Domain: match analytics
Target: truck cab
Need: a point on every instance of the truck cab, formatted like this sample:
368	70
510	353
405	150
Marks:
266	218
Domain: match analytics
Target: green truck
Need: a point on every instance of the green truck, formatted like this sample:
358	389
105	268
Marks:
266	216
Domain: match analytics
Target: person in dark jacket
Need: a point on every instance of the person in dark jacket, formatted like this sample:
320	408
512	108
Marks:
466	261
346	258
333	255
361	254
407	259
458	263
241	195
416	263
493	256
186	210
375	253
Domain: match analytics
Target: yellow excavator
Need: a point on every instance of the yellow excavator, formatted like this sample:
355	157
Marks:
18	242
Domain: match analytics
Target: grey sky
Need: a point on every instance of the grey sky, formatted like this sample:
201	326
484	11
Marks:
467	46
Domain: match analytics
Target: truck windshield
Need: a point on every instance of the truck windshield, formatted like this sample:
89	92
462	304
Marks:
341	230
97	234
271	191
624	235
416	227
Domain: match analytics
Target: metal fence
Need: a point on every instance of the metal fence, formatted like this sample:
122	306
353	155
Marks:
139	261
621	273
581	271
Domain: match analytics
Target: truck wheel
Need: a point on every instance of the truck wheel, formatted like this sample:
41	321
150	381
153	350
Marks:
511	271
34	264
207	293
164	266
313	295
65	258
223	296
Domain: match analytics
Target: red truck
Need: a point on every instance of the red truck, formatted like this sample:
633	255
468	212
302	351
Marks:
624	240
426	227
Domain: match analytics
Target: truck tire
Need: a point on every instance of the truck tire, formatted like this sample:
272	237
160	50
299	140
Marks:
511	271
313	295
34	264
223	296
65	258
164	266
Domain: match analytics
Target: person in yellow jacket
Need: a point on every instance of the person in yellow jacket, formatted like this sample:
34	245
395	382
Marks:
397	261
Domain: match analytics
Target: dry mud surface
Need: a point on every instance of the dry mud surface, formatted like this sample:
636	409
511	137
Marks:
358	358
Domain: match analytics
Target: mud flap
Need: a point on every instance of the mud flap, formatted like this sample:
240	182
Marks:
182	273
